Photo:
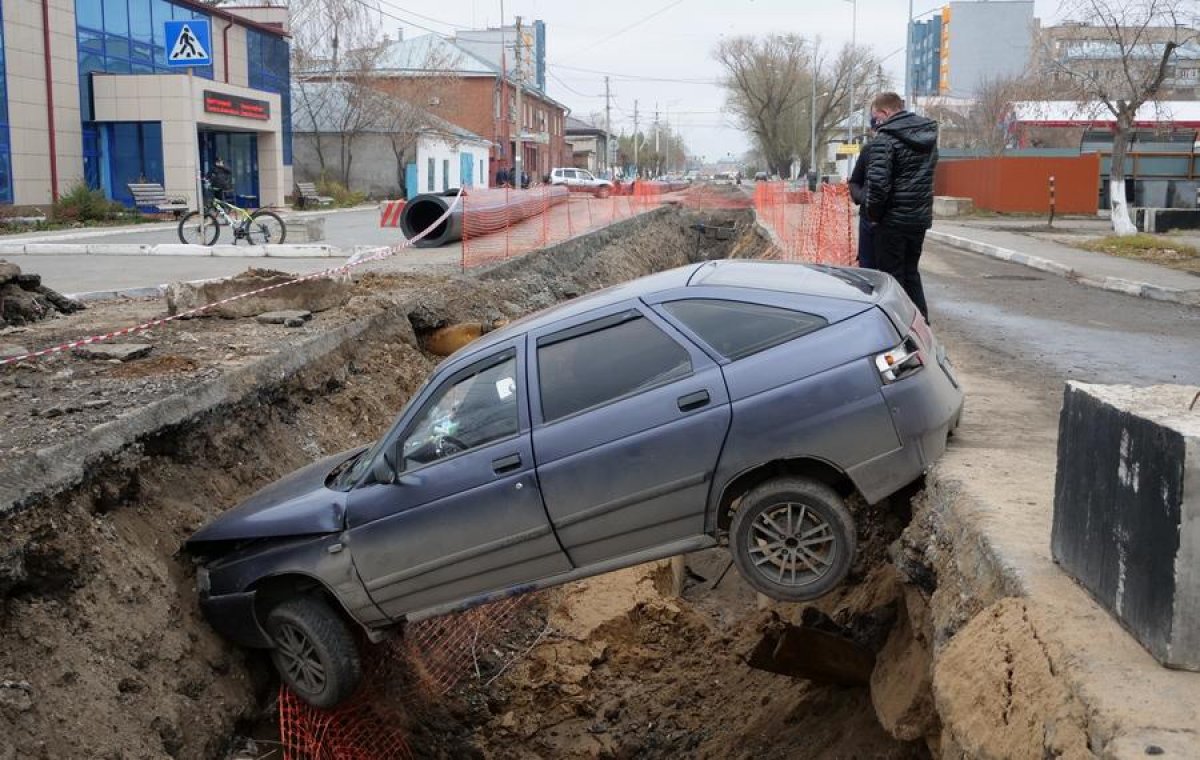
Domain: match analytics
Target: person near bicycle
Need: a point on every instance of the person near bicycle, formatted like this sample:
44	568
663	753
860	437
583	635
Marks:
220	179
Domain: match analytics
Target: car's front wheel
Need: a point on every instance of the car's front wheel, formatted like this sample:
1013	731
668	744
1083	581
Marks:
604	192
315	652
792	539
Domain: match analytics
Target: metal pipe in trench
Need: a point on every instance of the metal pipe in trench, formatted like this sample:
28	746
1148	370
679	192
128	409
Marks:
487	211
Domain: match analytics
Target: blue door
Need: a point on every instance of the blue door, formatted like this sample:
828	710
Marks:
466	169
410	181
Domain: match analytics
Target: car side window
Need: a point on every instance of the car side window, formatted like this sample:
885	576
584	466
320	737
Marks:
465	413
593	368
736	329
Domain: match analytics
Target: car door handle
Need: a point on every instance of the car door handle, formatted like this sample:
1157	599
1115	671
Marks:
506	464
693	401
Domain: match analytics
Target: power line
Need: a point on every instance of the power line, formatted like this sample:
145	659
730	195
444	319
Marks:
622	30
633	77
571	89
420	15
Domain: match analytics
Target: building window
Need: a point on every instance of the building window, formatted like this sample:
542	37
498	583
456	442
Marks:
445	174
6	189
120	37
267	61
429	180
135	155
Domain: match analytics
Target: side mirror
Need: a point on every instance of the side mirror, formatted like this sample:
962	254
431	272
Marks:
384	469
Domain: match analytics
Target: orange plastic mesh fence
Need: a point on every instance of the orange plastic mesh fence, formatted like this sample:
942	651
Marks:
490	235
431	658
812	227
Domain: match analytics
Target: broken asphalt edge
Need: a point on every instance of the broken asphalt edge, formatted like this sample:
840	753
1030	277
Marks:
1113	284
49	471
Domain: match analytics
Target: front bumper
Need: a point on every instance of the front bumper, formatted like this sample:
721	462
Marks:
234	617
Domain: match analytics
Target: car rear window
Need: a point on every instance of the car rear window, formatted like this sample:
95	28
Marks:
596	367
736	329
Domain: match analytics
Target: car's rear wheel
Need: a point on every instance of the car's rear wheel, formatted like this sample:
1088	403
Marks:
792	539
604	192
315	652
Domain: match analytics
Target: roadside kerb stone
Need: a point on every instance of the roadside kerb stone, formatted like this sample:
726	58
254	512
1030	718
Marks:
119	249
180	249
289	251
1113	284
238	251
152	291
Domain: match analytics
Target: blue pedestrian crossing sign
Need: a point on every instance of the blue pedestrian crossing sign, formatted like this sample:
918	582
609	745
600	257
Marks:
189	43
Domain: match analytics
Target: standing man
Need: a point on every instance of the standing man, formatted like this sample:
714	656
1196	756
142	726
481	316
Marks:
858	194
900	191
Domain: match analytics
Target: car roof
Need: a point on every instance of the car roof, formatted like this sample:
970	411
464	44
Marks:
802	279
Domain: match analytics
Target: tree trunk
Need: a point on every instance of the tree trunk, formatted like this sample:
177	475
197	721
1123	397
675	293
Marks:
1121	221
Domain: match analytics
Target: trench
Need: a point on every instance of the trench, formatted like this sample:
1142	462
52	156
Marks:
103	652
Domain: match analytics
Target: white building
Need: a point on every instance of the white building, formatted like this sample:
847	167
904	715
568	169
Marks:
441	157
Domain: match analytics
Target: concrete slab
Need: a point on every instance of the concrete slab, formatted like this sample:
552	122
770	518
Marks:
1127	510
113	351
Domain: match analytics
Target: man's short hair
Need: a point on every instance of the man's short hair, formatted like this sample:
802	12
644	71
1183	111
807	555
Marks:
889	102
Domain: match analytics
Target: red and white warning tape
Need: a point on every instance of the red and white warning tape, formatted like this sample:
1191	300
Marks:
351	263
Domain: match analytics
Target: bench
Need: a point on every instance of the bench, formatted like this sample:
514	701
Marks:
306	194
152	195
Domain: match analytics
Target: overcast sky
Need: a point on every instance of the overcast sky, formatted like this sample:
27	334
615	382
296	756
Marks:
638	41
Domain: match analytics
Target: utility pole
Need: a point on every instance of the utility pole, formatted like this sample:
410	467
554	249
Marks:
909	86
636	165
607	128
518	149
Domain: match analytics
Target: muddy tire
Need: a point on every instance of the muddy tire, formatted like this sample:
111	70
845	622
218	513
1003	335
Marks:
603	192
792	539
315	652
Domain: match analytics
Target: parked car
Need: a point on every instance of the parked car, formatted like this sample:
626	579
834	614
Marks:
581	180
760	177
727	402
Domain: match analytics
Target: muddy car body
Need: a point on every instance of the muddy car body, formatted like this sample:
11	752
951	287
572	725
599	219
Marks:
727	401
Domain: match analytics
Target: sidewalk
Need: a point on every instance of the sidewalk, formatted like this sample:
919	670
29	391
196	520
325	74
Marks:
1136	278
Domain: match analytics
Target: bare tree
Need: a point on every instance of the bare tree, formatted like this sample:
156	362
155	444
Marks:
770	84
982	124
1122	68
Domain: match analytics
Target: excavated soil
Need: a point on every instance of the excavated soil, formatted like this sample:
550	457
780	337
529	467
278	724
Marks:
103	653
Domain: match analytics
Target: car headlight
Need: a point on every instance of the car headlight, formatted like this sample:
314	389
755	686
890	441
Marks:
901	361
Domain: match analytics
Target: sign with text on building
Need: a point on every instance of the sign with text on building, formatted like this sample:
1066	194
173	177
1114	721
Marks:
236	105
189	43
848	149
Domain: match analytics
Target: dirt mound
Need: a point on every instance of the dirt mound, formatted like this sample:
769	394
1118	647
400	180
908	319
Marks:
24	299
100	634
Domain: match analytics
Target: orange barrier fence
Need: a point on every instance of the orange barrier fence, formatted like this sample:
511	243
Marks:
557	218
401	676
818	228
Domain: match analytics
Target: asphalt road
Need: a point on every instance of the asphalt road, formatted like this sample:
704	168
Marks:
1057	329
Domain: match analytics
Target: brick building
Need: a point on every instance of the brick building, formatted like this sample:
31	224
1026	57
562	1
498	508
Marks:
471	93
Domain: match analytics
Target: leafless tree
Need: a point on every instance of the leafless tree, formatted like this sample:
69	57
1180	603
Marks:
1121	69
982	124
770	86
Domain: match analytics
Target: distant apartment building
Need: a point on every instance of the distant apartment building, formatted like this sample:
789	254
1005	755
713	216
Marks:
1090	50
972	43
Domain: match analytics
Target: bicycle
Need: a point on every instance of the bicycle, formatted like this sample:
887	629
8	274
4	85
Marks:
258	228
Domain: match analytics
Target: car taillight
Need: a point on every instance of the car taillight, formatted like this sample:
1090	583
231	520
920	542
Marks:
921	328
901	361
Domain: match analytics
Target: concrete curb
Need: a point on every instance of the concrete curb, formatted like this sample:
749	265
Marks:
281	250
1112	284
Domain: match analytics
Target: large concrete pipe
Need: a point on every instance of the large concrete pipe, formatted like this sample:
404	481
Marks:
480	211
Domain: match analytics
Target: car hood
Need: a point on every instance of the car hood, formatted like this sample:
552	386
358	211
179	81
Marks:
295	505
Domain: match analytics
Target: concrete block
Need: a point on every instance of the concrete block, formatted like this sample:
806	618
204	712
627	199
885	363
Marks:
1127	510
12	249
55	249
310	229
948	205
289	251
118	249
239	251
180	249
317	294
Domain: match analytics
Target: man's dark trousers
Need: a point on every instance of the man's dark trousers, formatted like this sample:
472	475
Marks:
898	252
866	243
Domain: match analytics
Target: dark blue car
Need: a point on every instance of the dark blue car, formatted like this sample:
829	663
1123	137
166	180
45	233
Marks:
728	402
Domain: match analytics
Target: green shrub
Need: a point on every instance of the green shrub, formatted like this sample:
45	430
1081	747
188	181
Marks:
342	195
83	204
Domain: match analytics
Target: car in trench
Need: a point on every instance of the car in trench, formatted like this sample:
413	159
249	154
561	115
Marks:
730	402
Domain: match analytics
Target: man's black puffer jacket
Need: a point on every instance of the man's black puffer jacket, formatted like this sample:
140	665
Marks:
900	172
